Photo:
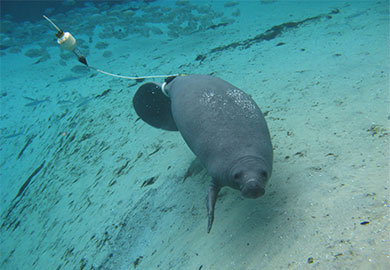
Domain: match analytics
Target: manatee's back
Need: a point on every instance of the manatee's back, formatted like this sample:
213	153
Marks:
218	121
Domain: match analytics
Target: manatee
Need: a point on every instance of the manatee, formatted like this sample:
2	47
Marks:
220	123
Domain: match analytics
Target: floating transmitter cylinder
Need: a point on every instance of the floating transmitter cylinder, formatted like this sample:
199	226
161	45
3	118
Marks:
66	41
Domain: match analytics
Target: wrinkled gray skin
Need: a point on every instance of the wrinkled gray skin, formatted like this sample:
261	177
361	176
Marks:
226	130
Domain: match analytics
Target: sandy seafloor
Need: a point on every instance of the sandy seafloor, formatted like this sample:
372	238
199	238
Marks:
323	85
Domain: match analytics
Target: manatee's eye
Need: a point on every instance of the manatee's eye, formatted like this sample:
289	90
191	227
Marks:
264	174
237	176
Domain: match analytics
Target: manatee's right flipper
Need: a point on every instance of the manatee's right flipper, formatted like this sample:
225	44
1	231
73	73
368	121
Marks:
154	107
211	200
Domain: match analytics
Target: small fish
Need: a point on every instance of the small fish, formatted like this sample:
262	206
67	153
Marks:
69	78
63	102
35	102
83	101
13	135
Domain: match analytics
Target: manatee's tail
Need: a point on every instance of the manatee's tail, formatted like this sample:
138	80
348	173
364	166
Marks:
154	107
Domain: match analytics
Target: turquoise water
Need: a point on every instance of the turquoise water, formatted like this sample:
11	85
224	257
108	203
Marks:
85	184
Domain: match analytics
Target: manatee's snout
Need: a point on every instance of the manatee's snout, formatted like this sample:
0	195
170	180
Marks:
252	189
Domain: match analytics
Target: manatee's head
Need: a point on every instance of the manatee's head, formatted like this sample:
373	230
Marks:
250	176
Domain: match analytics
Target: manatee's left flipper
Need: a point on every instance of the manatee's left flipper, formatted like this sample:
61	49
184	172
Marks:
211	200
